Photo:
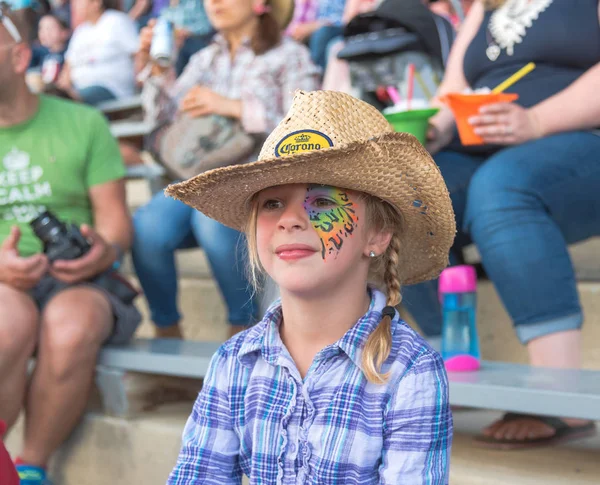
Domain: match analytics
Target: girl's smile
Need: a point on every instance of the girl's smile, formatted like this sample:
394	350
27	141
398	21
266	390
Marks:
293	252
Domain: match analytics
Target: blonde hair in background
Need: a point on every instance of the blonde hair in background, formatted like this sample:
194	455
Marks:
493	4
383	273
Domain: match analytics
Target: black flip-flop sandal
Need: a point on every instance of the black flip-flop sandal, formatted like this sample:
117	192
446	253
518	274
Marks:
563	432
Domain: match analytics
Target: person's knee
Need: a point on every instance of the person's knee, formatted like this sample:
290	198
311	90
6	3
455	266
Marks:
19	320
75	323
147	237
496	195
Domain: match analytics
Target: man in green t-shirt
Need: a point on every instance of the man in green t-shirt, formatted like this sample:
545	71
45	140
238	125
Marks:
58	156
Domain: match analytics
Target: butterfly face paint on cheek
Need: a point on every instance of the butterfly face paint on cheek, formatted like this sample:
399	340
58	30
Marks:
332	214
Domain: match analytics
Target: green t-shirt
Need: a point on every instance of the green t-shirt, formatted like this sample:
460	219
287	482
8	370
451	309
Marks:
50	162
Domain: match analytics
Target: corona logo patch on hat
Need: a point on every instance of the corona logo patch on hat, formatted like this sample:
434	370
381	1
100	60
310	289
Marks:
302	141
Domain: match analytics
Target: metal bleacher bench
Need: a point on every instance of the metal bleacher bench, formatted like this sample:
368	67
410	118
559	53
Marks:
171	357
497	385
124	104
128	129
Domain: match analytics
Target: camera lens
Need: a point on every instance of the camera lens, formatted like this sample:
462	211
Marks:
46	227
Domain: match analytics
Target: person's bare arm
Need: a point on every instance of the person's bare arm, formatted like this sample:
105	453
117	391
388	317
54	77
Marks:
441	125
111	216
352	9
576	107
139	8
454	78
64	78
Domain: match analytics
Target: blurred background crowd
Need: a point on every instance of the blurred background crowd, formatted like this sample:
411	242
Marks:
524	192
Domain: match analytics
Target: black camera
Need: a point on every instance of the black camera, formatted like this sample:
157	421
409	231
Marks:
65	241
61	241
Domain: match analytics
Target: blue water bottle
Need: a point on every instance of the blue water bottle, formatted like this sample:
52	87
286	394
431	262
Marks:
458	296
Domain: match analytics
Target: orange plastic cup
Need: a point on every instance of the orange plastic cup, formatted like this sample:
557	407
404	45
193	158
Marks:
466	105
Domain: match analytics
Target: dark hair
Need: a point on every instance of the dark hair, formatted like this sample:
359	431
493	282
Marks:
61	21
267	35
110	4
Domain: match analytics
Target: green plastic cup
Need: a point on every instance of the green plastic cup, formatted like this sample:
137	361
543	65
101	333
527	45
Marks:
414	122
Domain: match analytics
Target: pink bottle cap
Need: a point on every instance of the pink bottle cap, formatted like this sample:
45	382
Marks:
462	363
458	279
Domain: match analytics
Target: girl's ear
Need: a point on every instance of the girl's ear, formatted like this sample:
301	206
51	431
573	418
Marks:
378	242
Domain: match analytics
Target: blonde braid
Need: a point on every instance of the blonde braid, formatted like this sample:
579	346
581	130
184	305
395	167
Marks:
379	344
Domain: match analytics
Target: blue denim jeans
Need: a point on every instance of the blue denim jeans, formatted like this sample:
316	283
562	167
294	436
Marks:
165	225
94	95
522	207
320	41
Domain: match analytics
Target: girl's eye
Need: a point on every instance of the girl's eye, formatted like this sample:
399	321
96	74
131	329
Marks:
272	204
323	203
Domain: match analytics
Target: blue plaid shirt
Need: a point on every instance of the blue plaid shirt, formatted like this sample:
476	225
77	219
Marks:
331	10
256	416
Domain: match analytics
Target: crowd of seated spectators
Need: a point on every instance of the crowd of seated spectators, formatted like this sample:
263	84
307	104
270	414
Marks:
520	197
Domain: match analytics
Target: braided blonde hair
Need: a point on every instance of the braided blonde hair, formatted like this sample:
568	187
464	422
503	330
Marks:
383	273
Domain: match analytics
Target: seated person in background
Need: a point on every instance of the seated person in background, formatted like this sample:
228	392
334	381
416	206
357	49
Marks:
53	34
337	72
248	73
59	156
192	28
140	12
99	61
532	187
317	22
331	387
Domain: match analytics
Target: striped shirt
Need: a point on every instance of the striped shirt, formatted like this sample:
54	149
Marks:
256	416
305	11
264	83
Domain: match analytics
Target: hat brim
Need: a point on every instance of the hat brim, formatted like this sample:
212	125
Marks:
394	167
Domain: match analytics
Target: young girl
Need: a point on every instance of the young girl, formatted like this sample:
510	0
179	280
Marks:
331	386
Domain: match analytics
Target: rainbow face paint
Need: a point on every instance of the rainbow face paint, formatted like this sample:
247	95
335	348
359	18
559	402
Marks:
332	214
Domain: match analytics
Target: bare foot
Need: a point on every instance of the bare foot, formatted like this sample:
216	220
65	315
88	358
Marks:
525	428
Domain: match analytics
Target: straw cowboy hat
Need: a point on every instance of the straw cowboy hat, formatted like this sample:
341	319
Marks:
282	11
331	138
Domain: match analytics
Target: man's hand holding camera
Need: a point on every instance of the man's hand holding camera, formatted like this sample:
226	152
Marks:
98	259
16	271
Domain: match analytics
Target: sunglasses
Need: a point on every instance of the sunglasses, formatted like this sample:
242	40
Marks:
9	24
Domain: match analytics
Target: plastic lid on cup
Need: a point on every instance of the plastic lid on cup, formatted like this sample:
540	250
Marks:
458	279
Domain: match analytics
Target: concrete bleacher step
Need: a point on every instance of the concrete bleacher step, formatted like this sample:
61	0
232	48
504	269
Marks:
204	319
202	307
106	450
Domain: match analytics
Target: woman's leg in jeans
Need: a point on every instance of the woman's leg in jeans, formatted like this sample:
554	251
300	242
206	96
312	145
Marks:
160	228
225	249
421	300
94	95
525	204
319	43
